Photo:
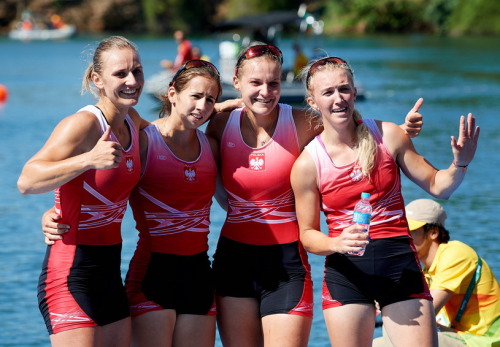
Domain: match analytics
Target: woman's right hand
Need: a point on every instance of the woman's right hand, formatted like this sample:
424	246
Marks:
352	239
51	228
106	154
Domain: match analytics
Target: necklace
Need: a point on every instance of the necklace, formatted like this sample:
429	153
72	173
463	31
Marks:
254	131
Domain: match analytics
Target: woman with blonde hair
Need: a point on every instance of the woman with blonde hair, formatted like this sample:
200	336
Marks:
354	155
92	161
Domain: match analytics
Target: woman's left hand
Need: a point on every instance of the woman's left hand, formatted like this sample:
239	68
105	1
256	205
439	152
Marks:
465	147
414	120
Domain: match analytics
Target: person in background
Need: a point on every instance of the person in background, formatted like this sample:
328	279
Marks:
263	282
92	161
184	52
354	155
451	268
197	54
300	60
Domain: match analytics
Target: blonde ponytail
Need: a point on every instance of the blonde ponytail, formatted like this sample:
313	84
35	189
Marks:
366	147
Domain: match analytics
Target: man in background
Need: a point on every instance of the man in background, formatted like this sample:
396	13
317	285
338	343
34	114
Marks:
184	52
453	269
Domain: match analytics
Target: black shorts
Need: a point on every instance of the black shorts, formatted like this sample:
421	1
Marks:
278	276
86	292
183	283
388	272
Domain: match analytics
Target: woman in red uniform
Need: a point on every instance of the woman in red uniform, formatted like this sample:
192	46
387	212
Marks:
92	161
263	281
354	155
169	282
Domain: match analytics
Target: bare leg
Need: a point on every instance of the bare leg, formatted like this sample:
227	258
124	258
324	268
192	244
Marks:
80	337
410	323
351	325
239	322
116	334
154	328
286	330
194	330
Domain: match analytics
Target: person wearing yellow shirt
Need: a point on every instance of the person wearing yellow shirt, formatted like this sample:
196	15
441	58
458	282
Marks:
451	268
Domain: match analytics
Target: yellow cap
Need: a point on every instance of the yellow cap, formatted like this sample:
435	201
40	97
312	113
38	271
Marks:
415	224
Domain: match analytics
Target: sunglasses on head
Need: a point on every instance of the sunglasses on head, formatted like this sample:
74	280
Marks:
258	51
328	60
193	64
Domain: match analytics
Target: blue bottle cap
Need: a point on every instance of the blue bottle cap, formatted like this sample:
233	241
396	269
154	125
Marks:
365	195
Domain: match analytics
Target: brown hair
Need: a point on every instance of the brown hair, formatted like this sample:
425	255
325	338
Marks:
181	82
96	65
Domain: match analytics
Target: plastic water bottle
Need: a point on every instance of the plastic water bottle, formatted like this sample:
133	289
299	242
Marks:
362	214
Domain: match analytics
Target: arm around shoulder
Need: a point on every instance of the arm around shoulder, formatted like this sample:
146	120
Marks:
307	126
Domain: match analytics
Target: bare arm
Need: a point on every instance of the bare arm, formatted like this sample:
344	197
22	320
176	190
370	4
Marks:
439	183
228	105
439	298
220	192
307	129
307	203
74	147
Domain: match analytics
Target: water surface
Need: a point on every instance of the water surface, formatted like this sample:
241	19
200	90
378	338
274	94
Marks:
454	76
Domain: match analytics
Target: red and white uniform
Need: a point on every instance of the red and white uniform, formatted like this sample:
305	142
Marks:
341	187
257	180
259	254
93	204
174	197
171	206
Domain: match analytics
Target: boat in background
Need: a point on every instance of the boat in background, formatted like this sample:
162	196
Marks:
62	33
266	27
34	27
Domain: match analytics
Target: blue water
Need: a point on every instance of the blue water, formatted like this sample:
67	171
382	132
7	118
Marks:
454	75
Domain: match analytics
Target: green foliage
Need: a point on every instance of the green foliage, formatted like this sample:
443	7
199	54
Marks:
373	16
456	17
238	8
169	15
477	17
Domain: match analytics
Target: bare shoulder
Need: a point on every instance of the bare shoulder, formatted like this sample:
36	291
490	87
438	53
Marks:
304	165
394	137
75	134
307	127
216	125
390	129
139	122
82	122
299	115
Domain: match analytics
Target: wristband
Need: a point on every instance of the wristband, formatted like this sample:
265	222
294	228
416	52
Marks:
463	167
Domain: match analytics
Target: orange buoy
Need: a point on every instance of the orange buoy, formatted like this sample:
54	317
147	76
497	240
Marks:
4	93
